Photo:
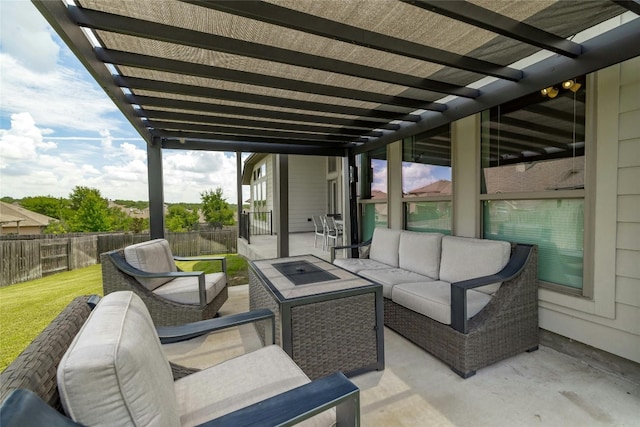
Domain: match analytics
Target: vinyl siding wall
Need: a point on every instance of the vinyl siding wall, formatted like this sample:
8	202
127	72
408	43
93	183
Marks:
611	319
307	191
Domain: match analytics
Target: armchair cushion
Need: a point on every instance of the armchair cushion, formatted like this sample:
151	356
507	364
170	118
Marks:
216	391
153	256
115	371
465	258
420	252
184	290
433	299
384	246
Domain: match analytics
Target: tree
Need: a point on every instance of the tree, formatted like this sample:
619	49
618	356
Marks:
47	205
180	218
119	220
215	208
90	211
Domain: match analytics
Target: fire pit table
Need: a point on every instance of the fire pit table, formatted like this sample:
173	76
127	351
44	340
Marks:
327	319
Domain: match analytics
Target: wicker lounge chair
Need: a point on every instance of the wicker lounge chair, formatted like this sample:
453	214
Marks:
173	297
121	388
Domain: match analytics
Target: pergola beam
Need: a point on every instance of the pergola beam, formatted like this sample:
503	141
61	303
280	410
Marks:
198	39
242	122
177	104
207	71
249	132
194	142
491	21
241	96
597	54
293	19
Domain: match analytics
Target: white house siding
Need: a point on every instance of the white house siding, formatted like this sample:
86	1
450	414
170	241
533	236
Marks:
611	320
307	191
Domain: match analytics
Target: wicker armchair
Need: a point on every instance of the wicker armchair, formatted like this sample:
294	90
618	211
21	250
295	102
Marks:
166	309
30	395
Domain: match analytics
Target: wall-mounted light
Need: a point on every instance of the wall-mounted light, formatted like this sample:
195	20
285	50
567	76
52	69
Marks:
550	91
571	85
553	91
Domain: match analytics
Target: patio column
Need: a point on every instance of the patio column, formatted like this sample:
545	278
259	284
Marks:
156	191
282	204
465	150
352	216
239	183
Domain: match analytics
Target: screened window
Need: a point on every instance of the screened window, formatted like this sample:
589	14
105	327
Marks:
533	178
426	181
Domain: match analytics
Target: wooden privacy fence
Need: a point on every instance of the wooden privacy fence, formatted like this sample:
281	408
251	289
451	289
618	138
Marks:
32	257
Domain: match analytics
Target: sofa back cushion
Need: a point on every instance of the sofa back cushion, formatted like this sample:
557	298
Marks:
115	371
153	256
466	258
420	253
384	246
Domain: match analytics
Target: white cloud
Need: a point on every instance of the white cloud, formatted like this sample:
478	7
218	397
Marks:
416	175
20	142
59	99
51	98
189	173
26	36
32	166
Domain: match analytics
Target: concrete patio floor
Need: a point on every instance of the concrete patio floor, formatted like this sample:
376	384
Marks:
543	388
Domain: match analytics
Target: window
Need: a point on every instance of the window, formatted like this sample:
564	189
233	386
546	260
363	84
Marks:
426	181
533	178
259	188
332	165
374	191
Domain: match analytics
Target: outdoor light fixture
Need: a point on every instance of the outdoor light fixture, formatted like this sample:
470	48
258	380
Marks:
550	91
553	91
571	85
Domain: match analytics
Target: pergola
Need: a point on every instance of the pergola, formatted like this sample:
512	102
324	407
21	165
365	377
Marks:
328	77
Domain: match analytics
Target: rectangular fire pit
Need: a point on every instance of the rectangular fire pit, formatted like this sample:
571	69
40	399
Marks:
327	319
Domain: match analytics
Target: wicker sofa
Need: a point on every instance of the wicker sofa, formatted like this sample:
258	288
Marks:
104	367
172	296
469	302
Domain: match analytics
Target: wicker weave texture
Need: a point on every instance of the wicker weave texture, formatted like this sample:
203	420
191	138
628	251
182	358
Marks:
259	297
163	312
335	335
507	326
36	367
339	334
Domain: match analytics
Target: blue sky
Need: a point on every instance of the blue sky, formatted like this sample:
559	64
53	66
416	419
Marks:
58	129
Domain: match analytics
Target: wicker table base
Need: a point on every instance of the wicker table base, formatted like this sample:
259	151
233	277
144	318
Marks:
327	326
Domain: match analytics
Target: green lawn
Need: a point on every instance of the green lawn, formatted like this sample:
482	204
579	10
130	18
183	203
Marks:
27	308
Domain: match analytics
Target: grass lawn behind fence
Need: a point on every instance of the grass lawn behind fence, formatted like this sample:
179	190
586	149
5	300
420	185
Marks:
27	308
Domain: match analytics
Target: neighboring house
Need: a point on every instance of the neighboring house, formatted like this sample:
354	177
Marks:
17	220
315	187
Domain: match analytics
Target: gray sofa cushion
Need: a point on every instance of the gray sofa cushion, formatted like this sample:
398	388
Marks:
384	246
355	265
465	258
185	290
420	252
390	277
153	256
433	299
